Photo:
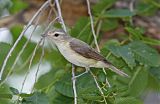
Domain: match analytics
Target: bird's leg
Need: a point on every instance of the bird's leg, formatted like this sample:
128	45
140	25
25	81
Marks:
87	70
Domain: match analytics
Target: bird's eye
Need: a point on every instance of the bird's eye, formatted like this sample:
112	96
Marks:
56	35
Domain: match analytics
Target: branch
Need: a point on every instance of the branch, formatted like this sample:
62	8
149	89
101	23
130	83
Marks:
20	53
131	8
64	28
40	62
60	15
92	25
74	84
21	35
29	67
94	35
99	88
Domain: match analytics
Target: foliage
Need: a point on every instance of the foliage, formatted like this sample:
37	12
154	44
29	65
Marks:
135	55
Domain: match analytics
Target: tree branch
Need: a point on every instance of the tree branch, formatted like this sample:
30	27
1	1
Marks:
74	84
21	35
60	15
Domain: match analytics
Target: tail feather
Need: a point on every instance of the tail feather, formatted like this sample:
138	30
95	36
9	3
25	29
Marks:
116	70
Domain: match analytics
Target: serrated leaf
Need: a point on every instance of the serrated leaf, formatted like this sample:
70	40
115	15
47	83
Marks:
128	100
125	53
138	82
118	13
36	98
112	46
145	54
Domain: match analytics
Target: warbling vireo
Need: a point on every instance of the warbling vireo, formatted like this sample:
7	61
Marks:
80	53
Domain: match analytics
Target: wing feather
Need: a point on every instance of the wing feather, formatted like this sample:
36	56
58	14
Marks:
85	50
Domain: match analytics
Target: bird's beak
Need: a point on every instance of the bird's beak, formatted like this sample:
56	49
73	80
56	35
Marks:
44	35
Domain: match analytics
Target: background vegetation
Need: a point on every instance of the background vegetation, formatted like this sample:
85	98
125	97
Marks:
133	51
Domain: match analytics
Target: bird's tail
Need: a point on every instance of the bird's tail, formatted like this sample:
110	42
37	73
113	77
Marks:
116	70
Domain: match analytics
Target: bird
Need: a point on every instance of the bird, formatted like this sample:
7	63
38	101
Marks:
80	53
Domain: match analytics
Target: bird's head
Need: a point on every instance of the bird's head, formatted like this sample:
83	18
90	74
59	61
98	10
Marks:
58	35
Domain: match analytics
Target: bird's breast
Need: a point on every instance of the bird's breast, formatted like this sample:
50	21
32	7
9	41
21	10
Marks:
74	57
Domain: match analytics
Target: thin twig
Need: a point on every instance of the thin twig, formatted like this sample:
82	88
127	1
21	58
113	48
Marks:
30	64
94	35
64	28
92	25
99	88
131	7
20	36
20	53
104	71
40	62
42	55
74	84
60	15
96	43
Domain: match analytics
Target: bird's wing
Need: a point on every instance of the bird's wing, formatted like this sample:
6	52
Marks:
85	50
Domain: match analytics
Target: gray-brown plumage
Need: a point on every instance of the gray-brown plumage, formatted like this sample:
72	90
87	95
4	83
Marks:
80	53
85	50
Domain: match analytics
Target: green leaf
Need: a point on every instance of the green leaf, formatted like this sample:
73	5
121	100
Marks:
112	46
128	100
4	48
138	82
118	13
36	98
136	33
90	93
155	72
14	91
6	96
109	24
61	99
82	30
49	78
64	86
102	5
17	6
144	8
151	41
59	60
124	52
145	54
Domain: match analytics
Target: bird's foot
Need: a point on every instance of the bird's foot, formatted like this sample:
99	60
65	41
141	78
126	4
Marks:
75	77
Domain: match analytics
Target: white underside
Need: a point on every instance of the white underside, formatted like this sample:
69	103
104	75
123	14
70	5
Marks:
76	58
